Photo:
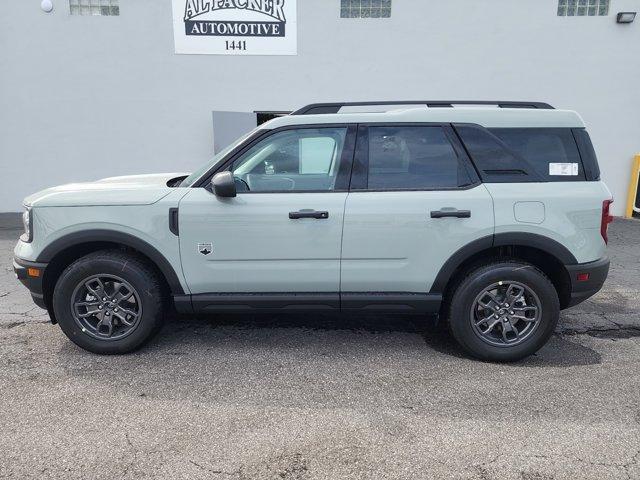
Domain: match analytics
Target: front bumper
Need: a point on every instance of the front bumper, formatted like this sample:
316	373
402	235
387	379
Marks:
25	272
597	273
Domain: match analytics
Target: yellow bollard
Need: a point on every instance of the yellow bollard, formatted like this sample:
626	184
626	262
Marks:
633	187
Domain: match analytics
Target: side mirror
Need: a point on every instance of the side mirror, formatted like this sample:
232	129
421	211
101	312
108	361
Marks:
223	184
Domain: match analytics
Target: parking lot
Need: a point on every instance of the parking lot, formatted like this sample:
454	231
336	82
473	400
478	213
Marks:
323	397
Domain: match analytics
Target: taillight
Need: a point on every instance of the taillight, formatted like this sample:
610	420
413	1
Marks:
606	219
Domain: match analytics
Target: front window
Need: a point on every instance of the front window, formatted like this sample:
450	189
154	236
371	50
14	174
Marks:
305	159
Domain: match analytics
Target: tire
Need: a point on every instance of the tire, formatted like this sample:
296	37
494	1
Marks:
132	313
467	314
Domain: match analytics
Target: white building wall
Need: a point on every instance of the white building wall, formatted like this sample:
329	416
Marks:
87	97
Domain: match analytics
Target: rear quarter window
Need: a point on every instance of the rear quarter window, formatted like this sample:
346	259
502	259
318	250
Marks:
551	152
495	161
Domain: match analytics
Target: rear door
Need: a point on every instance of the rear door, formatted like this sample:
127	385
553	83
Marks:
414	201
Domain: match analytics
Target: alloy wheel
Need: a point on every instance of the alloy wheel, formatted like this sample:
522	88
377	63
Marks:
505	313
106	307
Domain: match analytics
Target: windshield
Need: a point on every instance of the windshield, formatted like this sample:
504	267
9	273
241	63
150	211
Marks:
187	182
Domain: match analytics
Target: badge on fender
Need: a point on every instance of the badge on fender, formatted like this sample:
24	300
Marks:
205	248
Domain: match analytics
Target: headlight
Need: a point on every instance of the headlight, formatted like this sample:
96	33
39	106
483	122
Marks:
27	221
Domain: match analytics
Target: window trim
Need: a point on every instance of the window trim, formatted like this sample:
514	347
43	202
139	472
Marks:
587	153
344	167
360	170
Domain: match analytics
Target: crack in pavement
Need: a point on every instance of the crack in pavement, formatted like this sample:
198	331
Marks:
139	452
215	472
483	471
610	326
135	456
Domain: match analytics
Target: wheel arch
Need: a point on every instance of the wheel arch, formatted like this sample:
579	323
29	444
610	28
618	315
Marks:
63	251
543	252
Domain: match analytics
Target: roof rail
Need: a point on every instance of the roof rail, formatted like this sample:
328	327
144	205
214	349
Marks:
316	108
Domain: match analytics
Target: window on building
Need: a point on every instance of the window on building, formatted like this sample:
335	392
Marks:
94	7
583	8
365	8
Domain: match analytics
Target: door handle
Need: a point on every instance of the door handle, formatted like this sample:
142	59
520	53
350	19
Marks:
450	212
308	213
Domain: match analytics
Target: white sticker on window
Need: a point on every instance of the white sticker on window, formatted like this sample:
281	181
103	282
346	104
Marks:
563	169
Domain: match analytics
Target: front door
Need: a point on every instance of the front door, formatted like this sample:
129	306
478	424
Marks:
415	200
282	233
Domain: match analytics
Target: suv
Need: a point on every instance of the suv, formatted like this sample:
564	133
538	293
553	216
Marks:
490	214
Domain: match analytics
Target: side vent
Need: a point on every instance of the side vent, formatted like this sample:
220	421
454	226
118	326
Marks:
173	221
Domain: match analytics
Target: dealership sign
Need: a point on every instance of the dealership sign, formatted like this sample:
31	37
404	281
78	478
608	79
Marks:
235	27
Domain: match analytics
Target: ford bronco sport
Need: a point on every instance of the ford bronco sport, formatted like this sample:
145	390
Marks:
490	214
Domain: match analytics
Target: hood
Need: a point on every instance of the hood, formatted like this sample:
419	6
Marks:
126	190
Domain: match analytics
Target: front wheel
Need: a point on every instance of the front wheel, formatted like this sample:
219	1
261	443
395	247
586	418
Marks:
109	302
503	311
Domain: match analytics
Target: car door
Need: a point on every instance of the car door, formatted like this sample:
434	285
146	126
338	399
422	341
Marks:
282	233
415	200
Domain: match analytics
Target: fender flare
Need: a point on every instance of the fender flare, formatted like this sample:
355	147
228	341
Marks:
112	236
541	242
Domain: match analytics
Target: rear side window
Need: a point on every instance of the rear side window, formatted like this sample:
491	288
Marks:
552	152
525	154
413	158
495	161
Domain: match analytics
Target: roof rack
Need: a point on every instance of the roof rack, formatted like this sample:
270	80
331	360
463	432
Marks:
317	108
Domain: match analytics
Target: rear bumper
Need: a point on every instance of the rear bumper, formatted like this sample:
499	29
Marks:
33	283
581	290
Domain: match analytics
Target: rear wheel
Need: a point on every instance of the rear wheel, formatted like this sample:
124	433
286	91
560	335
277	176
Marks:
109	302
503	311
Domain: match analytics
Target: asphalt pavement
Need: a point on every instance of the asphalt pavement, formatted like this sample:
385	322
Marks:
323	396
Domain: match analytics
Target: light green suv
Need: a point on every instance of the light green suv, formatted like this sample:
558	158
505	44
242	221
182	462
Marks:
490	214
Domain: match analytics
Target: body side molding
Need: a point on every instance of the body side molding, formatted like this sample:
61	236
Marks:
399	302
394	302
113	236
264	302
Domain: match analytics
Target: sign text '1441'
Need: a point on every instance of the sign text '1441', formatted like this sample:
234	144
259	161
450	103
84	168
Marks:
235	45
